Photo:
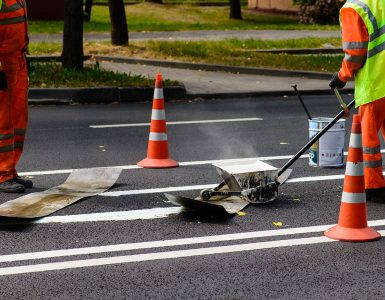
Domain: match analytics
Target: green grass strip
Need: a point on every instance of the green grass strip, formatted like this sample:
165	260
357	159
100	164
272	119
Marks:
51	75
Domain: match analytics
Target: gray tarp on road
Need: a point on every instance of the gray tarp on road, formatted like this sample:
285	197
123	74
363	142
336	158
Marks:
79	184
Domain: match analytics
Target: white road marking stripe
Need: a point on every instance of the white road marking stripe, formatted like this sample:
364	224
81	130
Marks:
179	122
171	243
207	186
315	178
163	243
158	190
130	215
188	163
160	255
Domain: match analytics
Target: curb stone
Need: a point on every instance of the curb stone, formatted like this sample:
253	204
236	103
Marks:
101	94
41	96
216	67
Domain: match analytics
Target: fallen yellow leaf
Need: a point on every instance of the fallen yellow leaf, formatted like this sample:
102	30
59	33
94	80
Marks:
277	224
241	213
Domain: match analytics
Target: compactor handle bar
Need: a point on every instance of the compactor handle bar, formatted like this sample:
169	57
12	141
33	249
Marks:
315	139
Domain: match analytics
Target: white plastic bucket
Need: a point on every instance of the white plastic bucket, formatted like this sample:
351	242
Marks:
328	151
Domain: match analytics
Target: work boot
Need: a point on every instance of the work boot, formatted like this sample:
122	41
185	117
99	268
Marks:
11	186
375	195
23	181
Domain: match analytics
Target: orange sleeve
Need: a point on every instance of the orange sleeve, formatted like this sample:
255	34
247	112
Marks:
355	39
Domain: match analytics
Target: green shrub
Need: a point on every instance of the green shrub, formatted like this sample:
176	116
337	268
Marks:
319	11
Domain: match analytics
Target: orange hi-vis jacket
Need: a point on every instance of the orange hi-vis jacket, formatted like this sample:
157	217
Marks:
355	40
13	101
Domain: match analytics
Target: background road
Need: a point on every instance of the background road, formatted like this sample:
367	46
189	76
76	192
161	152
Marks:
155	251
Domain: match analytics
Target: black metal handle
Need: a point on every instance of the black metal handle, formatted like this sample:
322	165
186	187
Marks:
294	86
314	139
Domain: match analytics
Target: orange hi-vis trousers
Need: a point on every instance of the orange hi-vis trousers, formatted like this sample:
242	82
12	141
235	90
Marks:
13	114
372	120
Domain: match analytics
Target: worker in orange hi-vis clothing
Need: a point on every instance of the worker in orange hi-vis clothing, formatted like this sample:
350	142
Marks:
363	34
13	92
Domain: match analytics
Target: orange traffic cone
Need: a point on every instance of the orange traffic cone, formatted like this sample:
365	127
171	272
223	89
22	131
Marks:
157	153
352	222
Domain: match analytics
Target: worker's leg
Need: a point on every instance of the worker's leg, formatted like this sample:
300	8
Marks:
372	118
20	109
10	67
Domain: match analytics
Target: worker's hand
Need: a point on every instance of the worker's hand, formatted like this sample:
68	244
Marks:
3	81
336	82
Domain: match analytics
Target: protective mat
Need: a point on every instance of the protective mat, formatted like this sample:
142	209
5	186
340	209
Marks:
79	184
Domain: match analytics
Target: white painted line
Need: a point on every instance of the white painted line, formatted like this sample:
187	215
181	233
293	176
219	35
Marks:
189	163
179	122
130	215
315	178
171	243
164	243
158	190
208	186
160	255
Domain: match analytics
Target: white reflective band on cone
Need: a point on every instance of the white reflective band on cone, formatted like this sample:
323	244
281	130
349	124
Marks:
156	136
354	169
355	140
158	93
158	114
353	197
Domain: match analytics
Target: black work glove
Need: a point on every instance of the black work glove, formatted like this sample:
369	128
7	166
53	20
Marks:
3	81
336	82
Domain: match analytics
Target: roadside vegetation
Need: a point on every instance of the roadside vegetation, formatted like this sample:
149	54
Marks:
154	17
51	75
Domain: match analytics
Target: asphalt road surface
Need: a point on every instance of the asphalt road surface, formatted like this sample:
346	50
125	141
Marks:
130	243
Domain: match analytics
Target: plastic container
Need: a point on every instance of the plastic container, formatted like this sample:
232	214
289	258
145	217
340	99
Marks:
328	151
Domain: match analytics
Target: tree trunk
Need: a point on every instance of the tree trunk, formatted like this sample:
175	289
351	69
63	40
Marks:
119	31
72	56
235	9
87	10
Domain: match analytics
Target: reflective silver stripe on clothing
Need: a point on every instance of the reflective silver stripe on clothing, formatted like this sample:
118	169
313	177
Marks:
15	20
373	163
6	136
8	148
353	197
12	8
354	169
158	114
371	150
355	140
19	131
19	145
156	136
354	59
158	93
368	11
354	45
376	50
377	33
